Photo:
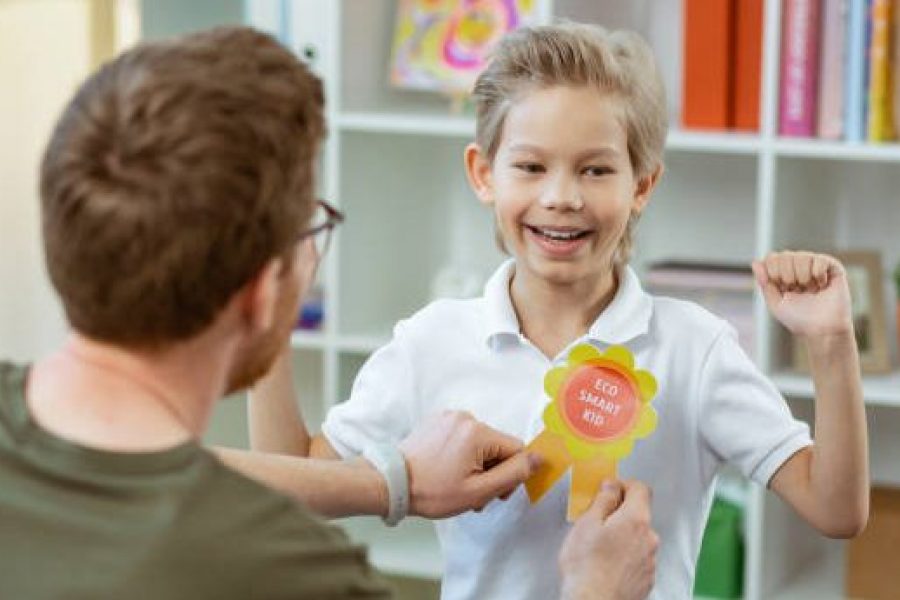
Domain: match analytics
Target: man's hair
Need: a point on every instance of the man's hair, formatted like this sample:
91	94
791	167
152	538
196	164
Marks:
174	174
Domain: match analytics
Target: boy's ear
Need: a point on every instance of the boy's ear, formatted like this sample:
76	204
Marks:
259	297
644	189
478	171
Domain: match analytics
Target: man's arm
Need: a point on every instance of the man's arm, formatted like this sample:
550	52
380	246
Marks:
276	422
610	553
331	488
828	483
454	464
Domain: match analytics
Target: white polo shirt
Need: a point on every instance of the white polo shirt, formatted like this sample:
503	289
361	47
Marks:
714	407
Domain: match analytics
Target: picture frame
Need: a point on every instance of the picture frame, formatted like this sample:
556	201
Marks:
865	277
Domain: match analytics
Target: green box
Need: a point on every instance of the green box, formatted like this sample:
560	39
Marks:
720	568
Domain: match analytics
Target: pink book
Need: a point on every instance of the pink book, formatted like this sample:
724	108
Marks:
831	71
799	68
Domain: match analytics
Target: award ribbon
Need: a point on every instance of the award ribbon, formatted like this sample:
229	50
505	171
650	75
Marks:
600	404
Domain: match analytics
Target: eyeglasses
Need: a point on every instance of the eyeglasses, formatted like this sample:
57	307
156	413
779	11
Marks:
325	219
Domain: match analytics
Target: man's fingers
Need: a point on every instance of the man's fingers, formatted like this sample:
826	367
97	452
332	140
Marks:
636	501
502	479
607	499
495	446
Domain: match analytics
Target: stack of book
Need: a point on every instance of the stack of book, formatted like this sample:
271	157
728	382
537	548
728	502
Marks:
722	45
723	289
838	61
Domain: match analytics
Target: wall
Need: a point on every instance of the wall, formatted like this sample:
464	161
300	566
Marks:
44	54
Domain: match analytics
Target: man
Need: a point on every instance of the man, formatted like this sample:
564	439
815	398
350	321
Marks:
179	227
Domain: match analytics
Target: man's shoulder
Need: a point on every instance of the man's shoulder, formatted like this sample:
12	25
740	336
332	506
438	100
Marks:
12	380
250	509
258	534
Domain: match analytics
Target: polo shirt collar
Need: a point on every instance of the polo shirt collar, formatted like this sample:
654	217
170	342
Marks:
626	317
502	321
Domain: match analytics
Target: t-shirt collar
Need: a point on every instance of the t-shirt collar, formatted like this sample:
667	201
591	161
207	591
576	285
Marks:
626	317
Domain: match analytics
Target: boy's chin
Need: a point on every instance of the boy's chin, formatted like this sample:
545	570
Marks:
562	272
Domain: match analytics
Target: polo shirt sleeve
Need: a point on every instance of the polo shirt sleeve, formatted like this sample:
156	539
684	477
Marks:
744	420
380	406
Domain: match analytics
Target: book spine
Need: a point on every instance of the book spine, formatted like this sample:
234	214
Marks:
708	50
799	68
880	125
748	63
831	70
855	71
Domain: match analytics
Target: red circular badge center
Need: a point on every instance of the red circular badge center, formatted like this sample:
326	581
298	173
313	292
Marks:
599	403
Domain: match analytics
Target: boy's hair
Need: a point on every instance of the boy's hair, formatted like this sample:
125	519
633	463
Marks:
174	174
619	63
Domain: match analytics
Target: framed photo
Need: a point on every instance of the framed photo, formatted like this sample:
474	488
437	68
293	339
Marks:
865	278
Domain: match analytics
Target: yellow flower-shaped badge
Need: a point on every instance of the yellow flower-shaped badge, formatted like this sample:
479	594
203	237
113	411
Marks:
600	404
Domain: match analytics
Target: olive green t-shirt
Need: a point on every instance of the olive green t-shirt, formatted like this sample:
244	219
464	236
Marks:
79	523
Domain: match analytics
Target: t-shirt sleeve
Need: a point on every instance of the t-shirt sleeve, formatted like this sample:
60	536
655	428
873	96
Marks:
381	402
744	420
301	557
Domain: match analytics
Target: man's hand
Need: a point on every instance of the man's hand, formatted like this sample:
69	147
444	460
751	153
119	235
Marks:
808	293
610	553
456	463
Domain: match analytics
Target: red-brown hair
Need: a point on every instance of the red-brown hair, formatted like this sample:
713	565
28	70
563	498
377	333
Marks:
174	174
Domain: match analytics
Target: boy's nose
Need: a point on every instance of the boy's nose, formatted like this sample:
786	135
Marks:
562	194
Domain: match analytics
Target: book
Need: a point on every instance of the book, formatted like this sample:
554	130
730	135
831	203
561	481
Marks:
880	125
708	57
748	64
799	68
855	72
830	123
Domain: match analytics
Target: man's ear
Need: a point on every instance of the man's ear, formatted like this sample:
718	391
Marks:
478	172
644	189
259	296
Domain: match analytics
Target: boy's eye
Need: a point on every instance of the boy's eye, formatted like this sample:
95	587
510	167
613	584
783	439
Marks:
597	171
529	167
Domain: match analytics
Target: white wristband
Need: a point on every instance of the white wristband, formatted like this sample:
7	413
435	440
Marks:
389	461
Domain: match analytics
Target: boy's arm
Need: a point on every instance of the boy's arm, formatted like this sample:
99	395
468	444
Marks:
827	483
276	423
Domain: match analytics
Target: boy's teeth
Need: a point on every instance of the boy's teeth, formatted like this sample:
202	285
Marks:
559	235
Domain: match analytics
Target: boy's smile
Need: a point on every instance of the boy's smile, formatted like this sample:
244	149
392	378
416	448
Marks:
559	241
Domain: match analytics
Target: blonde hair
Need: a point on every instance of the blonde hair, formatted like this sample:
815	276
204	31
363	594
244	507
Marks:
619	63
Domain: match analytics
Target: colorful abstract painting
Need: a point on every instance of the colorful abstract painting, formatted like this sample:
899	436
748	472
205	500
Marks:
442	45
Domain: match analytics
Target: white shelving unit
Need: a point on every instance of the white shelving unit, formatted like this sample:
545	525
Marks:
393	163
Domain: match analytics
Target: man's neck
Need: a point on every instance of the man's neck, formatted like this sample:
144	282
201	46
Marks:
111	398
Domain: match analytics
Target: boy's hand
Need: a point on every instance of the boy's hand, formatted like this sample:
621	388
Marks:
808	293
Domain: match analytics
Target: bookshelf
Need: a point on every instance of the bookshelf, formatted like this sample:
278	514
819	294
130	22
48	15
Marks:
393	164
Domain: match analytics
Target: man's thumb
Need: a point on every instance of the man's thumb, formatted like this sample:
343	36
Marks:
504	477
607	499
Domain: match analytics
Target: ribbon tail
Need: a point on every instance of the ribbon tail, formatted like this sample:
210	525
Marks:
556	461
587	475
